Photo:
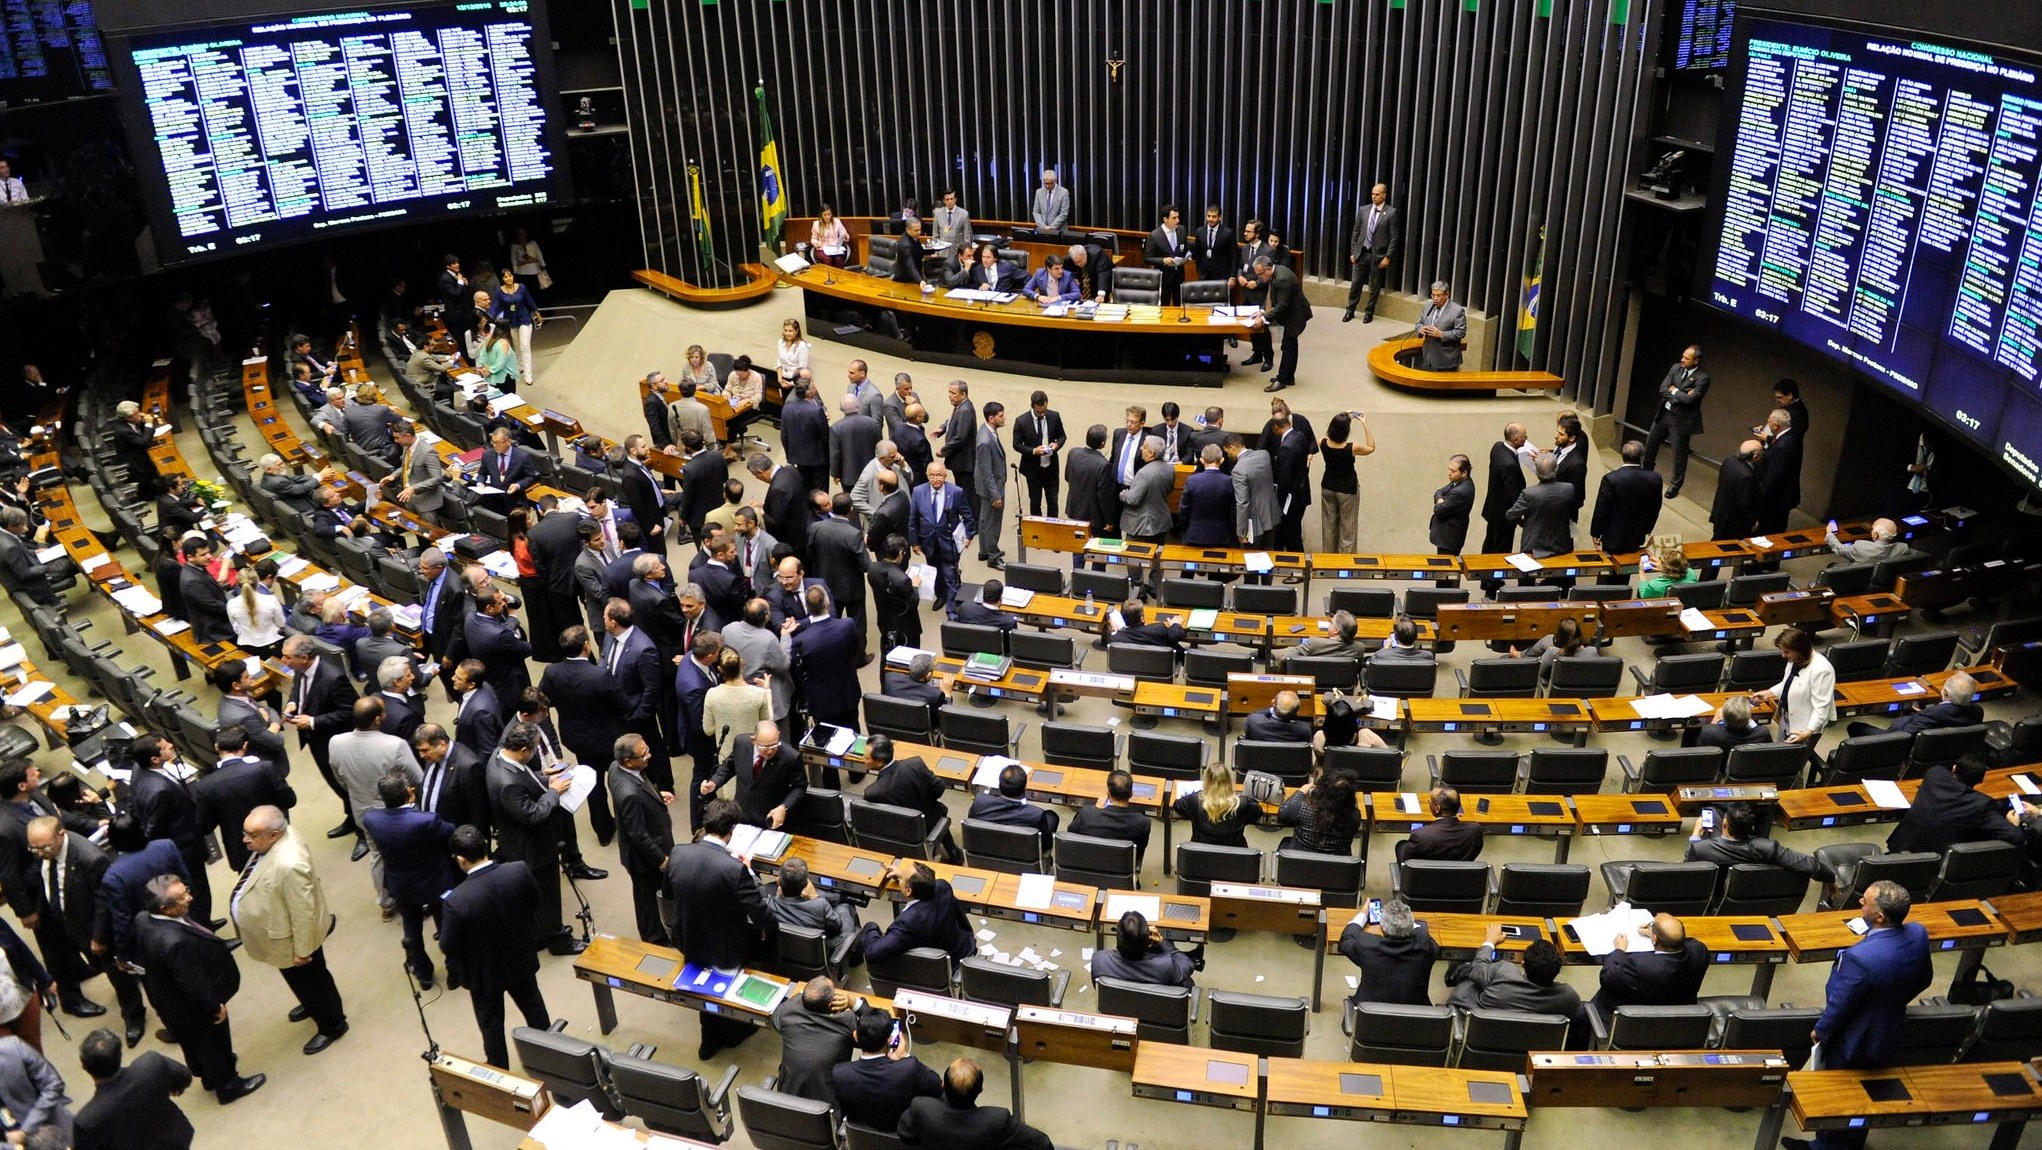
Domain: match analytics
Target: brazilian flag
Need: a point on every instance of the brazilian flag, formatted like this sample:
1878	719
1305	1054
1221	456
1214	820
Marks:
1528	312
772	196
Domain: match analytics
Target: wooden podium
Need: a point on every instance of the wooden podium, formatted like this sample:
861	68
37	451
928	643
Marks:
461	1087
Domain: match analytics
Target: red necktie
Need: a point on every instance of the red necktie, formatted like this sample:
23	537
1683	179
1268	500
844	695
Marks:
758	768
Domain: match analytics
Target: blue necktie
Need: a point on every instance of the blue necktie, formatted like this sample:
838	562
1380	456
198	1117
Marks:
432	600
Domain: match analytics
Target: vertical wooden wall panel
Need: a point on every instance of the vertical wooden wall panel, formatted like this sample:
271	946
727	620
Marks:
1483	122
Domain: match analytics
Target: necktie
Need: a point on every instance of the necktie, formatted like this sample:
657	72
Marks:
758	767
1211	236
56	888
616	653
747	556
432	600
1370	236
435	778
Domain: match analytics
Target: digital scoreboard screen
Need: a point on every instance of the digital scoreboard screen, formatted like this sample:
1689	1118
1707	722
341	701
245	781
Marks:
50	50
1702	42
299	127
1877	202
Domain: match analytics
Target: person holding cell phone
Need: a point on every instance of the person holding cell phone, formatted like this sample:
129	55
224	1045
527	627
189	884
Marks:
1395	955
883	1076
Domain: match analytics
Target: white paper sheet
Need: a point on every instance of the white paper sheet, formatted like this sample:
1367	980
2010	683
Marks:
582	782
1886	793
29	693
1597	931
1119	903
1523	562
1693	619
2027	785
1036	892
1258	561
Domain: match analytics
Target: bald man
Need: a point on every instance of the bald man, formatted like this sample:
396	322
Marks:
1884	544
1658	966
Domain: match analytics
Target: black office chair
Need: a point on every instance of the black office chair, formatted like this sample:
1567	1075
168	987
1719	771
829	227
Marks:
997	846
1044	650
1922	654
1846	578
1970	870
1259	1024
1328	672
1857	660
1474	772
1400	1035
821	814
1199	865
1501	1039
1093	861
1760	889
983	980
1586	677
1363	602
1859	865
1634	1027
1170	756
674	1099
2003	633
1887	572
1041	579
1861	757
1760	764
1442	886
1194	593
1078	745
1943	747
802	952
1424	602
1337	878
2009	1030
1744	590
1291	762
1784	1029
1150	664
1137	286
908	720
1679	889
1266	599
1374	768
1680	674
1161	1013
1934	1033
1540	890
1701	596
1500	678
574	1069
880	255
1565	770
1755	670
887	829
1200	293
1664	771
982	732
776	1121
921	968
1400	679
1210	666
1016	258
1110	588
963	640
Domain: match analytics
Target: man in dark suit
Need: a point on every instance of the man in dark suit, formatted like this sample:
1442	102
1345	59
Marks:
1779	472
938	513
956	1119
456	784
645	833
914	685
824	653
805	442
20	570
1735	509
131	436
719	914
131	1107
931	917
787	507
1213	248
1865	1003
1955	706
1378	233
1279	722
910	783
1140	955
770	778
486	934
959	434
1667	973
584	695
1283	305
1395	964
891	513
166	810
1167	249
190	975
641	495
1679	416
1451	504
703	476
1948	809
1114	816
555	544
1134	631
526	807
1529	984
1038	439
896	596
632	659
693	676
1626	505
912	438
320	705
1570	461
1091	495
875	1087
853	440
440	602
1292	460
1208	502
508	468
1506	483
836	551
418	867
71	921
239	783
479	710
1545	509
1446	838
498	641
205	601
816	1027
983	609
654	405
1009	806
1737	840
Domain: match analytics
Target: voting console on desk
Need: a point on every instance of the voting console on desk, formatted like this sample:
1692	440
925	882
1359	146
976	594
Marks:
1625	814
1973	1094
1399	567
1194	1074
486	1092
1965	924
1691	800
1104	1041
1636	1078
1277	909
974	1024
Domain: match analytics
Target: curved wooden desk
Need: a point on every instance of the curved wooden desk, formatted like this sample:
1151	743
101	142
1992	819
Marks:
759	283
1185	348
1382	360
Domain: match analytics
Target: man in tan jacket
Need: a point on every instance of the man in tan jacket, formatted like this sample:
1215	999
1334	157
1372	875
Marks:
279	912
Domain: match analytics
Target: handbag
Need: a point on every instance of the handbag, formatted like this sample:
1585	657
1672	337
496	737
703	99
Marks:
1262	787
545	281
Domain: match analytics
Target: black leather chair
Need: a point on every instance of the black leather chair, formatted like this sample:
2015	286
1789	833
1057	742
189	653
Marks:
1078	745
1442	886
1374	768
1259	1024
1934	1032
802	952
2009	1030
1681	674
1679	889
1744	590
2003	633
1137	285
1044	650
1859	865
1039	578
997	846
1858	659
921	968
1363	602
1152	664
1400	679
1945	746
574	1069
963	640
1565	771
1586	677
1500	678
1199	293
1327	671
1779	764
1541	890
1760	889
1861	757
1654	1028
1210	666
1474	772
674	1099
981	732
1089	860
908	720
1400	1035
1337	878
1161	1013
1171	756
821	814
1755	670
1199	865
888	829
1846	578
1291	762
1663	771
1922	654
1501	1039
1261	599
1784	1029
1977	870
776	1121
1179	591
1110	588
983	980
1701	596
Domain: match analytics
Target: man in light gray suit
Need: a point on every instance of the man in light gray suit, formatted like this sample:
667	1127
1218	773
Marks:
763	652
952	224
871	401
854	440
989	484
591	573
420	475
360	759
1378	233
895	403
1444	324
1256	510
1145	505
1051	207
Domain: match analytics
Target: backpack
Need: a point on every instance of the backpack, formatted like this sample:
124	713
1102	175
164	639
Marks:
1979	987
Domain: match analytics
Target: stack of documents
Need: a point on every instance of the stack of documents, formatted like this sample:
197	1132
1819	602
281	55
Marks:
1665	706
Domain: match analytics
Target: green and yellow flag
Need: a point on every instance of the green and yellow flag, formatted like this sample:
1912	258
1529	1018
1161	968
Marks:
1528	312
772	196
698	213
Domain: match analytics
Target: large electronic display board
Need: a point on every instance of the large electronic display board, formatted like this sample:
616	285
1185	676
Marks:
51	50
305	126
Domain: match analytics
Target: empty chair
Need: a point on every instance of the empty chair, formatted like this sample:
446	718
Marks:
984	732
1784	1029
821	814
2009	1030
1172	756
1663	888
1374	768
879	256
963	640
1541	890
1921	654
1760	889
1665	770
1400	1035
1327	671
574	1069
920	968
1043	650
1103	586
1258	1023
2004	633
1681	674
1859	865
1861	757
1093	861
1475	772
1291	762
1337	878
1501	1039
983	980
1016	257
1701	596
1079	745
1565	770
997	846
1858	659
1153	664
1181	592
1755	670
1935	1032
1760	763
1210	666
1161	1013
1362	602
1659	1028
1199	865
1137	285
1940	748
1887	572
1257	599
885	828
1586	676
802	952
1201	293
905	719
1499	678
1846	578
1424	602
1977	870
1744	590
776	1121
1035	577
1445	887
676	1100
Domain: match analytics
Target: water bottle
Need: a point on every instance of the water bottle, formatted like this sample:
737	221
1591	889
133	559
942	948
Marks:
1089	609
